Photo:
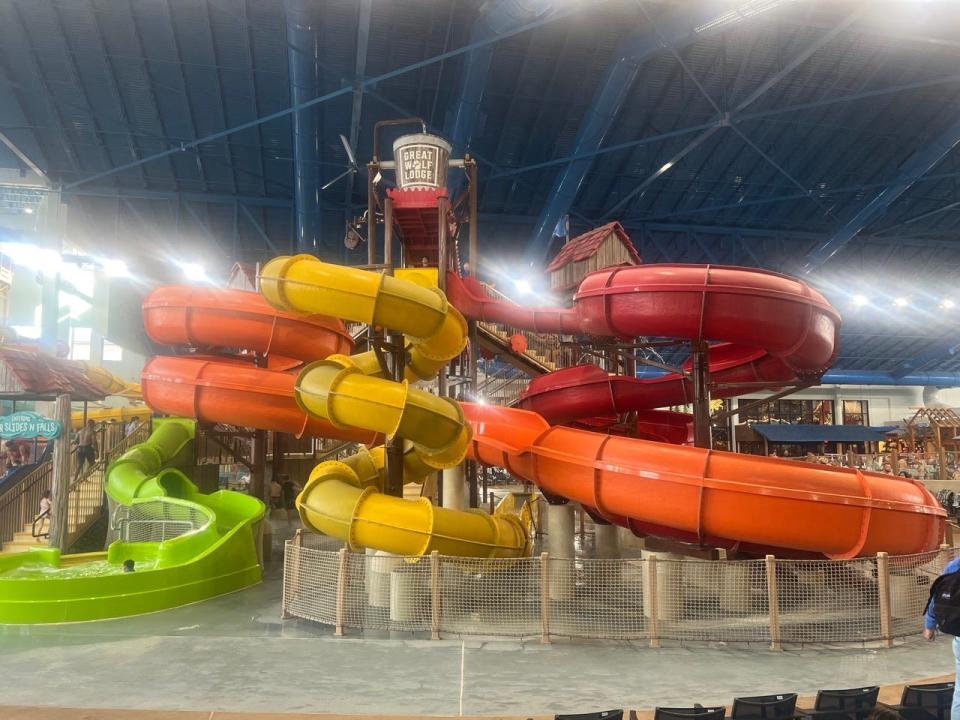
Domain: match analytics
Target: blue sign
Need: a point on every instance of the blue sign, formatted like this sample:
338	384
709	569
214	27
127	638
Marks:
28	425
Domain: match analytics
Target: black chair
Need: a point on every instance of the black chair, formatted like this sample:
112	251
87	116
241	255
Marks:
926	702
690	713
603	715
852	704
765	707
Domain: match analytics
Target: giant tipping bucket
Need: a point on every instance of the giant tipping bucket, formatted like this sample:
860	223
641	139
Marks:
421	161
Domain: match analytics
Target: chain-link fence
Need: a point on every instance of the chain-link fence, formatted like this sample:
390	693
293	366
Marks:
156	521
658	597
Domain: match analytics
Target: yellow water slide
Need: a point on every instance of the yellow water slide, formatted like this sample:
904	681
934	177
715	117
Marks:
343	498
110	384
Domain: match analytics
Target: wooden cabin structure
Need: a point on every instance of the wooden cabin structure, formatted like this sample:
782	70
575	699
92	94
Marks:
933	428
603	247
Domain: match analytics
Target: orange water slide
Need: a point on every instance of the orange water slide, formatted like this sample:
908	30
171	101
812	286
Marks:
742	502
232	389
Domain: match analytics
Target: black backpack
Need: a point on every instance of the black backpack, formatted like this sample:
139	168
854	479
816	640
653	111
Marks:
945	600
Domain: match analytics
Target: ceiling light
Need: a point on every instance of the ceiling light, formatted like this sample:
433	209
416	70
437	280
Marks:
901	302
115	268
28	210
860	300
523	286
948	304
194	272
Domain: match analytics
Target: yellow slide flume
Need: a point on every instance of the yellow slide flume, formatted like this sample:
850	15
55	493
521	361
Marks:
343	499
111	414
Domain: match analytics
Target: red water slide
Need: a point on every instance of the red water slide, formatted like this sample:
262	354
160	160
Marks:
771	328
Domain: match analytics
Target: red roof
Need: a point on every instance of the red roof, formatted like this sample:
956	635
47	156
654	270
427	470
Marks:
243	276
46	376
586	246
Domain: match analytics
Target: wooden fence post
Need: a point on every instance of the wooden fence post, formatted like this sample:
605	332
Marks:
883	592
545	597
773	603
435	595
292	578
341	590
654	601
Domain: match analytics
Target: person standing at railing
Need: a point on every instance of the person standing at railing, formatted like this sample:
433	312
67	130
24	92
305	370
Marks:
86	447
43	518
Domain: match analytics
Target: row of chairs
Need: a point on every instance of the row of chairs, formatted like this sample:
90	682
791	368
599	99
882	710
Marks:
918	702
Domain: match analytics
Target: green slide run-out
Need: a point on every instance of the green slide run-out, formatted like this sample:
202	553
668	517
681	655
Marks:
186	546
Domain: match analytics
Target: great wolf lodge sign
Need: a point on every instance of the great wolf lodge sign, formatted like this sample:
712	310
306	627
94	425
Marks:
418	166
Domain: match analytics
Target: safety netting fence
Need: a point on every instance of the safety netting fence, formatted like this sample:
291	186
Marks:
156	521
652	599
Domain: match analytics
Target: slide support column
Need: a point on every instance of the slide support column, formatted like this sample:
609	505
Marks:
560	544
701	394
453	488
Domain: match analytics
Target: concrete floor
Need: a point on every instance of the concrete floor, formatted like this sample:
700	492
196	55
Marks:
235	654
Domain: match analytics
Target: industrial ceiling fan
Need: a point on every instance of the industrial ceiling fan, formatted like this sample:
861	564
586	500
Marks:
352	167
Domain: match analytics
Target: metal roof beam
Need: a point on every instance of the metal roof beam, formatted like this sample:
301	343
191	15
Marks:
680	29
259	228
339	92
23	157
499	17
364	11
142	194
912	169
740	118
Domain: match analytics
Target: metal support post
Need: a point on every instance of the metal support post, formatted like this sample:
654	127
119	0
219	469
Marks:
471	168
371	214
701	394
394	445
388	234
258	474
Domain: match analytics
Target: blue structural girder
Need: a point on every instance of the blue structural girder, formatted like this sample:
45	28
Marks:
304	86
693	21
912	169
944	351
498	18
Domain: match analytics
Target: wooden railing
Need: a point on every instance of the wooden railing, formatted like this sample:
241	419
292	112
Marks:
85	496
545	350
20	503
503	387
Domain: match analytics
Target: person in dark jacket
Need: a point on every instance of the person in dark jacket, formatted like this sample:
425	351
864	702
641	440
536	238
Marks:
930	633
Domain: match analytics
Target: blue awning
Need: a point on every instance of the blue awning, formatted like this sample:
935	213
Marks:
784	433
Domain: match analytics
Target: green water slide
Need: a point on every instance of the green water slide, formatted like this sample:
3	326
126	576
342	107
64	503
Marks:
185	546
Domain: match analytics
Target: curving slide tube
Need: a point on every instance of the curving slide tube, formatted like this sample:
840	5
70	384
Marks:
341	396
773	328
747	503
185	546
